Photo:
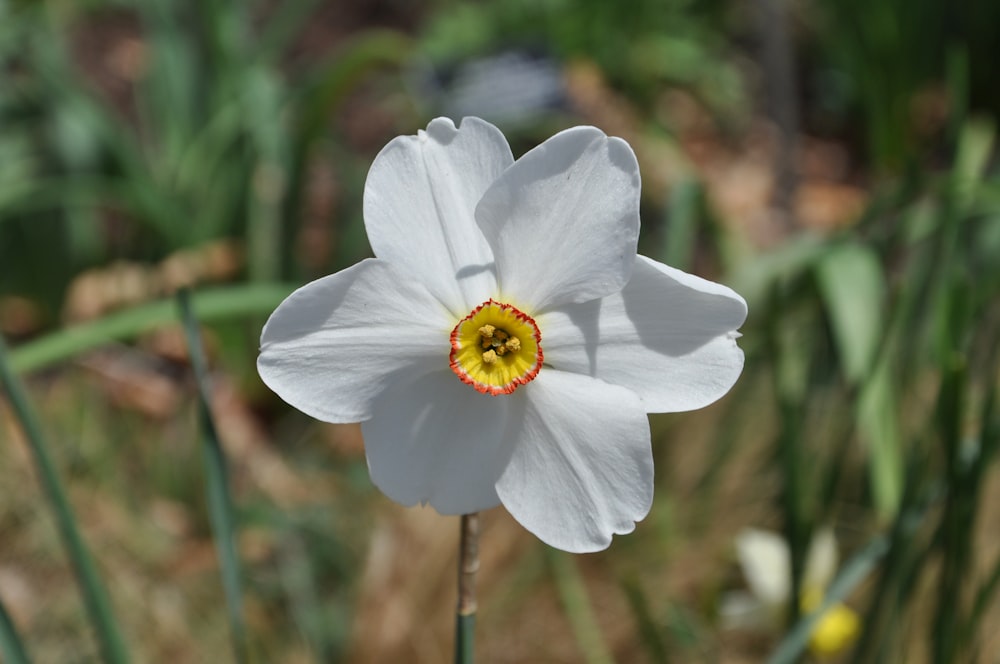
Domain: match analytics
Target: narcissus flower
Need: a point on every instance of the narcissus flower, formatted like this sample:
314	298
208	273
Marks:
766	562
506	343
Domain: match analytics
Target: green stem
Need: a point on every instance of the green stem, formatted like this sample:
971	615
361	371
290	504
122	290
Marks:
468	565
11	648
220	504
95	597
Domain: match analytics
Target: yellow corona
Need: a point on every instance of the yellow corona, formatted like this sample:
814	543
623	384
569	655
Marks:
496	348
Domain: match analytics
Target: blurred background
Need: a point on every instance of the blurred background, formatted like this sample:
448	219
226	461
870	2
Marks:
831	160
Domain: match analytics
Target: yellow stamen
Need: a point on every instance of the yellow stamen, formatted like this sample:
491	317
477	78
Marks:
496	348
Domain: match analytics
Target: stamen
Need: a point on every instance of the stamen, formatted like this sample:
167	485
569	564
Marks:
496	348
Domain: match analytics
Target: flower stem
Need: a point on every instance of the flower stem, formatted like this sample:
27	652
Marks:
468	565
95	596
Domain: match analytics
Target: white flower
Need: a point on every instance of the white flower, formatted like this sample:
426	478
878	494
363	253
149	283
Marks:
437	344
766	562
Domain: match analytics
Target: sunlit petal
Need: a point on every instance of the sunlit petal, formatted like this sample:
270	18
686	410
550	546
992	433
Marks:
337	343
668	336
563	221
582	469
420	200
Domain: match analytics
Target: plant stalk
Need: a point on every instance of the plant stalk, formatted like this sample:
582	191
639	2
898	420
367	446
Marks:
468	565
95	596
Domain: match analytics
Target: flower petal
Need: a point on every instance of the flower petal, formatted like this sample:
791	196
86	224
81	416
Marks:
582	467
764	559
564	219
668	336
821	560
434	439
333	345
419	204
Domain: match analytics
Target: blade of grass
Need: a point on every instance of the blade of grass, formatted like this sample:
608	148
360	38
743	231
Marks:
282	25
210	305
11	646
681	227
969	463
95	597
853	290
649	630
854	572
220	504
955	528
905	559
339	73
792	358
987	591
320	94
273	145
573	595
877	421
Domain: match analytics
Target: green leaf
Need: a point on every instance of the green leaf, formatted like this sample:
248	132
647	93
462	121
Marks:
681	226
878	425
852	285
95	597
650	632
11	647
209	305
757	275
975	145
220	502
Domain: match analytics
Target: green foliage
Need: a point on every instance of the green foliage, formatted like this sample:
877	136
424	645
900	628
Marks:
210	305
861	328
11	647
95	597
640	49
872	360
210	141
221	510
902	67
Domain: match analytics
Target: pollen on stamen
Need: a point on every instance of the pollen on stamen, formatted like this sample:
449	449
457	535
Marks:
496	348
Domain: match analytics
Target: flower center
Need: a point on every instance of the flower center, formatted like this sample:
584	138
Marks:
496	348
